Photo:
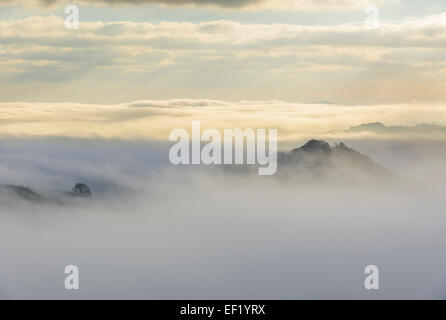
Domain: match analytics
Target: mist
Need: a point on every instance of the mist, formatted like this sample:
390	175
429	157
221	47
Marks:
156	231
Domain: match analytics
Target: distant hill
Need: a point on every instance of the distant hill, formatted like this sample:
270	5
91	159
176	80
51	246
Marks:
379	128
11	192
317	159
314	161
21	192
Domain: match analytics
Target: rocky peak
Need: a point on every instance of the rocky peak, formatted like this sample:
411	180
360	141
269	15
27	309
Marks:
315	146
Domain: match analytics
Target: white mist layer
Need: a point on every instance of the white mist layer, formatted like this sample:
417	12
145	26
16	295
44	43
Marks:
159	232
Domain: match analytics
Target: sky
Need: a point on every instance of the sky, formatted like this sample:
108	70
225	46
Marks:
96	105
271	54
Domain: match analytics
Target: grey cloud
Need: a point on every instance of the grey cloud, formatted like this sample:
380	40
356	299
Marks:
219	3
230	4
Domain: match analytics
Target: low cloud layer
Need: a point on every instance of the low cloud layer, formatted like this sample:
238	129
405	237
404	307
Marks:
155	119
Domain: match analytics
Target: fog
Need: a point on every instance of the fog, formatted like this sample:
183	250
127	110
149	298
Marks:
155	231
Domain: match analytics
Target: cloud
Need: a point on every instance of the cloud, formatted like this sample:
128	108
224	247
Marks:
428	32
196	235
307	5
235	60
155	119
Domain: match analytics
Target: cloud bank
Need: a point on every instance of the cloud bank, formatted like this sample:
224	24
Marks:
154	119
